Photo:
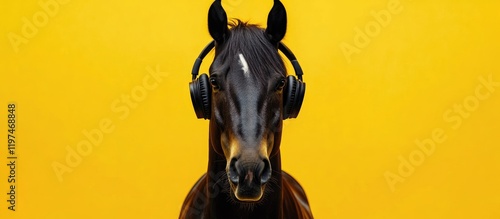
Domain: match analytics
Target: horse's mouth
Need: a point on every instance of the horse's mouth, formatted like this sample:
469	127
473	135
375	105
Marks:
247	192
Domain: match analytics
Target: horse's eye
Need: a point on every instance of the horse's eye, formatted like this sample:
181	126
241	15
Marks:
280	85
214	83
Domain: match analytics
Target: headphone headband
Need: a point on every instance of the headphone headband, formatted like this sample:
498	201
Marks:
289	54
197	62
281	46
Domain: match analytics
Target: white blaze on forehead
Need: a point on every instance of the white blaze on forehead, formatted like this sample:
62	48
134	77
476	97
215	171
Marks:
244	65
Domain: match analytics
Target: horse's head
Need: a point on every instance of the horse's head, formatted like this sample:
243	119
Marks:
247	78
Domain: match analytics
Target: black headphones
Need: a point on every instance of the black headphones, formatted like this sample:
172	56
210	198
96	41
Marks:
201	91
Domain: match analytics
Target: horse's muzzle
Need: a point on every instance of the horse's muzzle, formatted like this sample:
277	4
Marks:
248	178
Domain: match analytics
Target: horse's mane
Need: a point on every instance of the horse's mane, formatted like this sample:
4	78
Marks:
250	40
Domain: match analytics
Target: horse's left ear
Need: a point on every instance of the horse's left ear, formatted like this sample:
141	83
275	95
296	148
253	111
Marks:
276	23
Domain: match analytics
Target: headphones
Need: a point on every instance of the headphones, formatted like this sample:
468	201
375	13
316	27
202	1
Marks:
201	90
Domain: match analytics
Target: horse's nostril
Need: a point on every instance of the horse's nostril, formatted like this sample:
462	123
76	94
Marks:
249	172
266	172
233	171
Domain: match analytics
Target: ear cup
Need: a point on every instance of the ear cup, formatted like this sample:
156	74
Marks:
293	97
299	98
201	96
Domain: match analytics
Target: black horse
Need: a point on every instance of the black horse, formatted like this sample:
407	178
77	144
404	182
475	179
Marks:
246	97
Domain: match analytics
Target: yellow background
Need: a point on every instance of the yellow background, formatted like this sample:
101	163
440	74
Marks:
358	118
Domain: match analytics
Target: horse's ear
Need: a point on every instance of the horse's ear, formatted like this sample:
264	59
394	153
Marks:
217	22
276	23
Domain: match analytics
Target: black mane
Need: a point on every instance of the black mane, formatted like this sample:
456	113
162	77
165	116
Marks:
250	40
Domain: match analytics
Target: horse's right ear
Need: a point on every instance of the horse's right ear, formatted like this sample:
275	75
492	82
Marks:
217	22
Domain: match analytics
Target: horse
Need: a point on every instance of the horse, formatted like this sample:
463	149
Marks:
246	97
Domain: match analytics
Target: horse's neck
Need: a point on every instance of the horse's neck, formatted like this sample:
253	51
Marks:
220	203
